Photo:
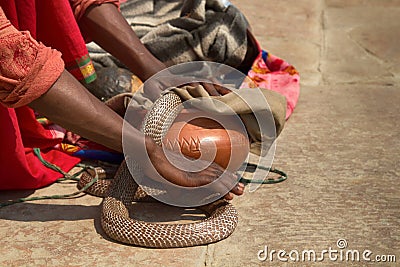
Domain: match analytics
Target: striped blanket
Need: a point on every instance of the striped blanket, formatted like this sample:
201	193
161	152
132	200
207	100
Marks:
178	31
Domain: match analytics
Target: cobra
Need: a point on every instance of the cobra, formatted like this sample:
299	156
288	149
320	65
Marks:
123	191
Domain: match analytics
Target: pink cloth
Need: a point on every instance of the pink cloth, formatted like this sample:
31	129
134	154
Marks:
273	73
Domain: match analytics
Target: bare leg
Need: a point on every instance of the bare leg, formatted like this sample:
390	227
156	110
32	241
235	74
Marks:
68	104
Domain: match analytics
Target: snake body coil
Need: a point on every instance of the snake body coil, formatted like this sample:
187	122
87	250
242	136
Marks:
115	218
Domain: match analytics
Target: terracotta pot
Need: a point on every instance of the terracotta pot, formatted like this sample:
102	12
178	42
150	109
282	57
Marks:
221	139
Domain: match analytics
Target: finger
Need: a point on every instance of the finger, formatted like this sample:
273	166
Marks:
221	89
229	180
237	190
210	89
223	188
228	196
241	186
208	176
213	169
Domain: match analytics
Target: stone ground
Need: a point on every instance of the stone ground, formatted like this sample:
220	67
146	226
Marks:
340	149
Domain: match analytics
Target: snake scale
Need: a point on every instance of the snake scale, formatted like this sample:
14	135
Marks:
123	191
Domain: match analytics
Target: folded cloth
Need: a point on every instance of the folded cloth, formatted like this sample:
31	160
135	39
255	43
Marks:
251	104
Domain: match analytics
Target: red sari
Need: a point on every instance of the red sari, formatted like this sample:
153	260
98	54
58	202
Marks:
54	24
19	167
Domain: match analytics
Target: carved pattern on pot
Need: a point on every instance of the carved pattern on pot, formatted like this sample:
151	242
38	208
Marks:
191	146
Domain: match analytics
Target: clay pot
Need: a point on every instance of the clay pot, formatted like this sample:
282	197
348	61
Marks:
221	139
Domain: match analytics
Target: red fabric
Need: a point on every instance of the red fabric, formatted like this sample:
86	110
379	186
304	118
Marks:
57	28
50	22
27	68
19	130
80	6
19	167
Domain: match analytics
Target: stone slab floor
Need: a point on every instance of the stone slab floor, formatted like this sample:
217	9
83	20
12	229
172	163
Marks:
340	149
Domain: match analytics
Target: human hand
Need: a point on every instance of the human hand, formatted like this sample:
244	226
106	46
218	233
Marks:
154	87
163	161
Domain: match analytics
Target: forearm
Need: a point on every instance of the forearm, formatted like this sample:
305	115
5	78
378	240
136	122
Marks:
68	104
108	28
